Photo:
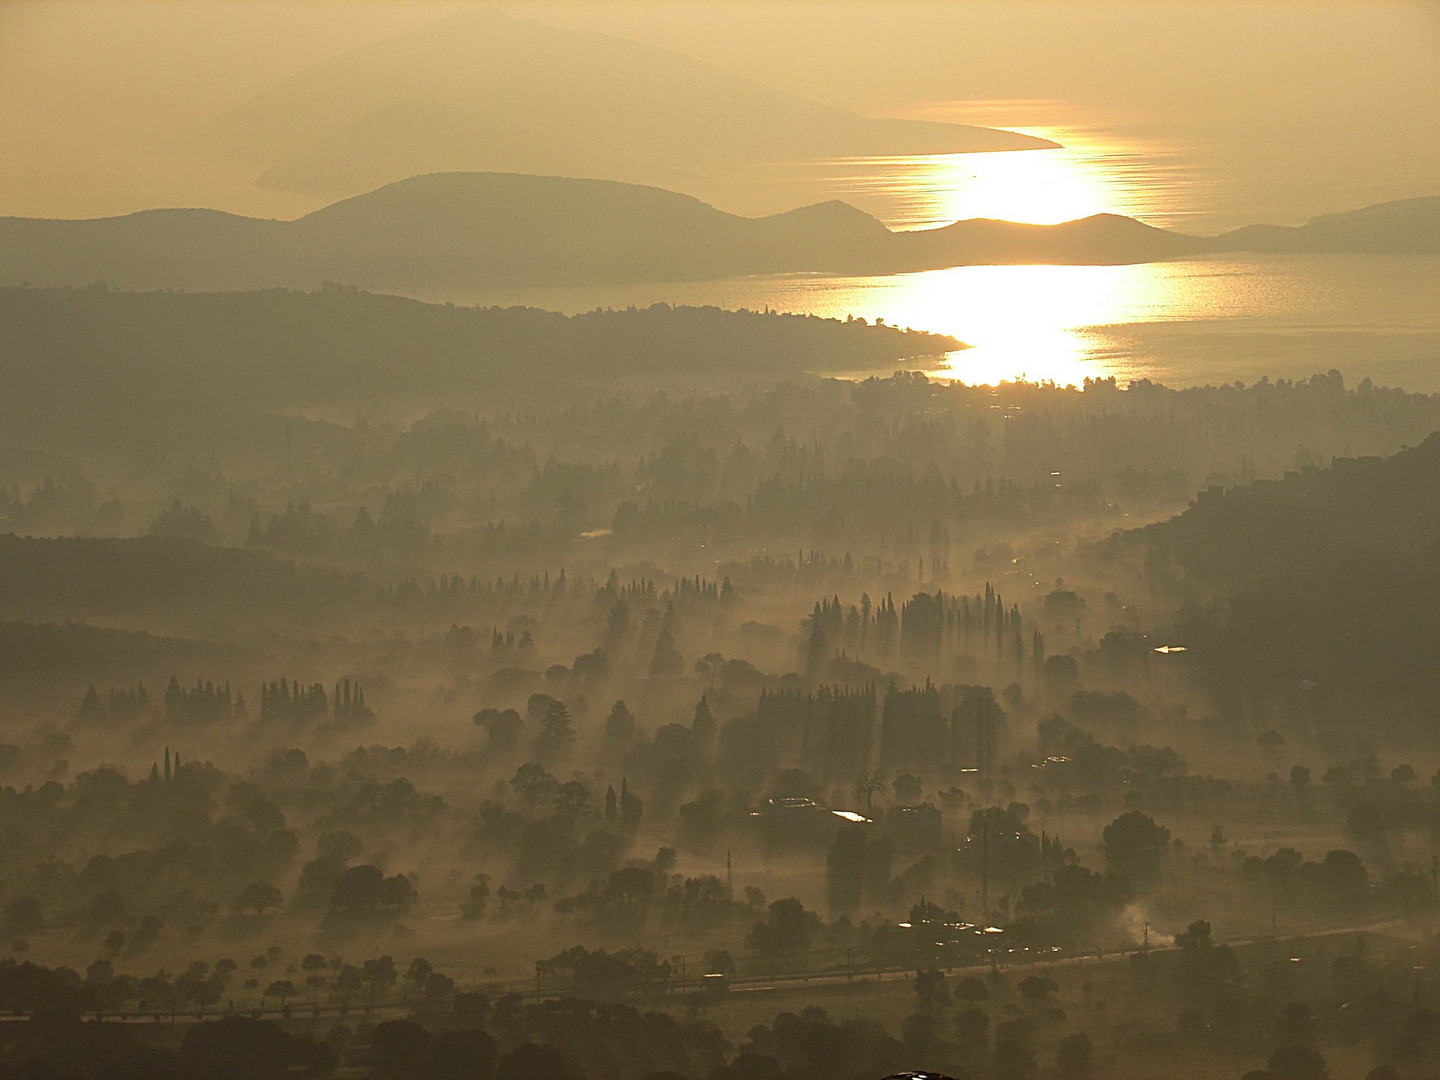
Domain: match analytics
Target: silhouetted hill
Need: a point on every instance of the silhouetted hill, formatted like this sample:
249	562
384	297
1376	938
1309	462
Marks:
1410	226
1358	508
480	90
450	232
459	231
91	654
181	585
1099	239
254	350
1328	585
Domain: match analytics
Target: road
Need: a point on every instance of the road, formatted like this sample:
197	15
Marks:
753	984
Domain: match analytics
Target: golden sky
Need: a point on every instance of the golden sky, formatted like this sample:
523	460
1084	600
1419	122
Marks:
90	88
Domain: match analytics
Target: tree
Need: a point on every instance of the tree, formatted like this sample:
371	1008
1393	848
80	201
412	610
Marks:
631	807
718	962
23	916
619	729
92	709
188	522
1036	989
666	662
557	734
260	896
787	929
1202	963
845	870
437	987
907	788
1073	1059
1195	938
972	1032
465	1054
251	1050
867	786
572	798
314	965
400	1048
1135	846
1297	1063
932	992
530	1062
503	728
284	989
1014	1051
365	888
474	907
534	784
380	973
348	979
418	970
972	989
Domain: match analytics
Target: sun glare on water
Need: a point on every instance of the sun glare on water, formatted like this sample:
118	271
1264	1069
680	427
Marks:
1020	322
1089	172
1023	322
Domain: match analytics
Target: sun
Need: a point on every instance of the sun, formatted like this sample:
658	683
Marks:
1086	174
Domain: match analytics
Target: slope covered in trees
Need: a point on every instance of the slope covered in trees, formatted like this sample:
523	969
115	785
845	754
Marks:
163	580
1327	586
263	347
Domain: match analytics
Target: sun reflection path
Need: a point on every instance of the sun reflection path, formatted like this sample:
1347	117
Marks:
1022	322
1089	173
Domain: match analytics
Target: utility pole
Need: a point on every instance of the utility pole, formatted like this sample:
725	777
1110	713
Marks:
984	870
729	879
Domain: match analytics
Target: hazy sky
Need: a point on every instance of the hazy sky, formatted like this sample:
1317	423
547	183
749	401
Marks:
88	89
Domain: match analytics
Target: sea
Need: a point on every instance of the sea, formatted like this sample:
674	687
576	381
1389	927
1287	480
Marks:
1185	322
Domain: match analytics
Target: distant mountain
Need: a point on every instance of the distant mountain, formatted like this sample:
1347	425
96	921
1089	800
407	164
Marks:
481	91
454	231
1410	226
447	233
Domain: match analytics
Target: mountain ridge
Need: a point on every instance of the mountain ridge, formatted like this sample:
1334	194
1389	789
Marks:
480	90
447	232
